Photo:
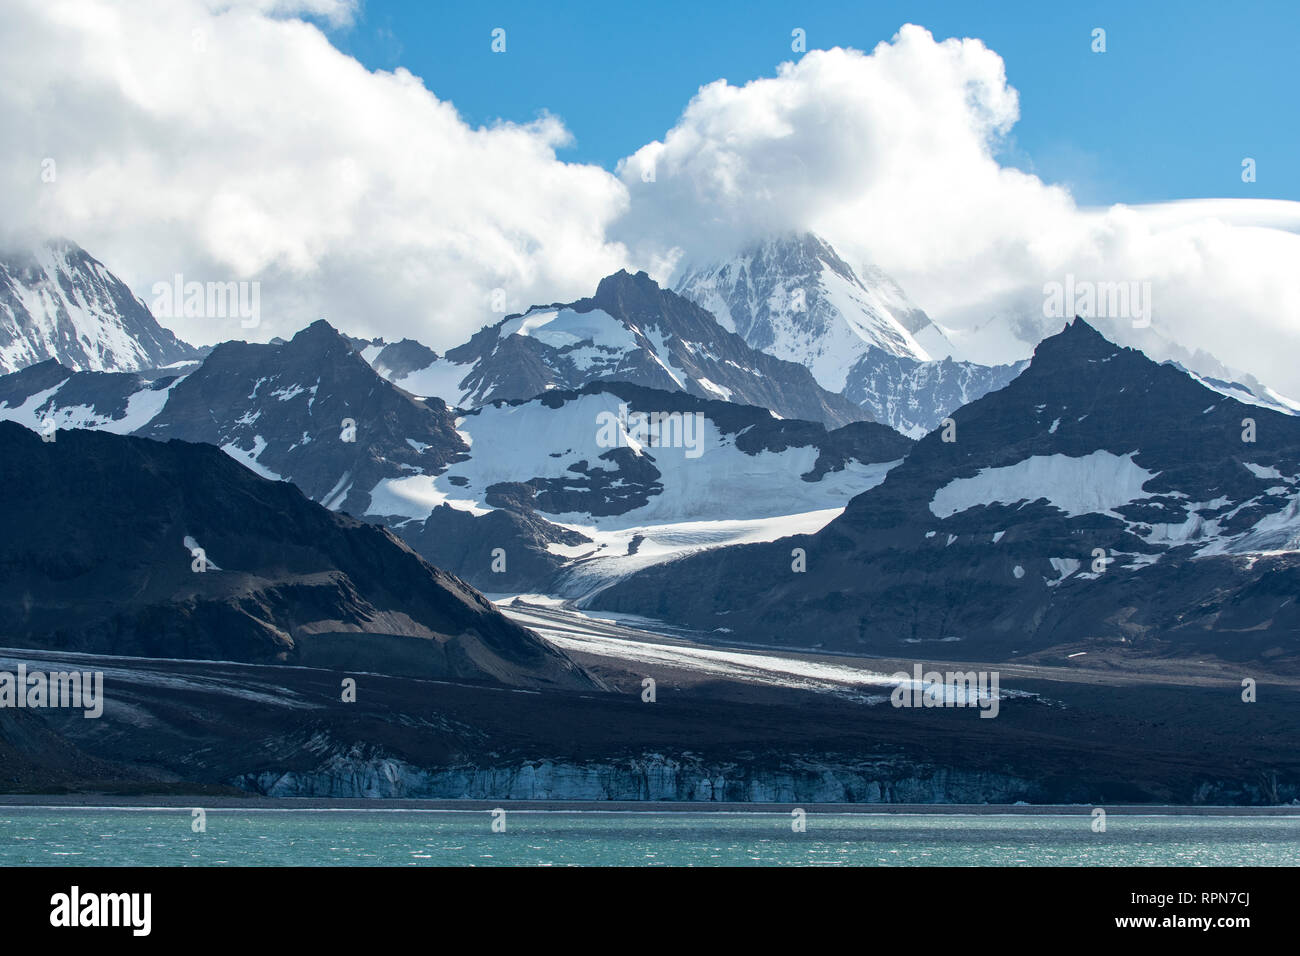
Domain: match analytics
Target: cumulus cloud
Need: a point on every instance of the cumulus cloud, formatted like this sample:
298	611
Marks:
835	134
228	139
231	141
892	156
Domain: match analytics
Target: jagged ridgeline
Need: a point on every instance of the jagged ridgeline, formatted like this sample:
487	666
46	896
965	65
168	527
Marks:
1099	496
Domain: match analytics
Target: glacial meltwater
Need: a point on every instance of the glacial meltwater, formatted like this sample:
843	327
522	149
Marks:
97	836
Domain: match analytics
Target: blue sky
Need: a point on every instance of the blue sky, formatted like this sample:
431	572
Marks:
1183	93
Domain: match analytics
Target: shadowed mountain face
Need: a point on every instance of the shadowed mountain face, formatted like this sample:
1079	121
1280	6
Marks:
311	410
101	558
1100	497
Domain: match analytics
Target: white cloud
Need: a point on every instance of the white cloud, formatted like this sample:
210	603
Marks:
336	13
835	133
224	141
228	139
892	156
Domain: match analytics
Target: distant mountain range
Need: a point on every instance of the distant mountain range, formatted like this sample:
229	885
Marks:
541	479
629	331
192	521
515	461
874	353
1099	499
857	332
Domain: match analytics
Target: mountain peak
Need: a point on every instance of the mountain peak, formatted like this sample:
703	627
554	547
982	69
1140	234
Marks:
319	328
625	293
320	335
793	296
64	246
58	301
1078	340
804	248
1080	325
631	330
623	279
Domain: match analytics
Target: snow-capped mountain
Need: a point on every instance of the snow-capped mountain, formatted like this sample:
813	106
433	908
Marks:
309	410
796	298
914	397
1010	336
59	302
557	480
629	331
1246	388
636	476
1099	499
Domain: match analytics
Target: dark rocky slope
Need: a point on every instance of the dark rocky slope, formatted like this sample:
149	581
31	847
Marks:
97	556
987	543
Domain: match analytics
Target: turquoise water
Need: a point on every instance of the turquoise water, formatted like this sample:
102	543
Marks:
95	836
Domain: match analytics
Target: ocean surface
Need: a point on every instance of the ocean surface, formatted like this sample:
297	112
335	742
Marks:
61	836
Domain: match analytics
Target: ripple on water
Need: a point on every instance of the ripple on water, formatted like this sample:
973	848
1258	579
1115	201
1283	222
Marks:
110	837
